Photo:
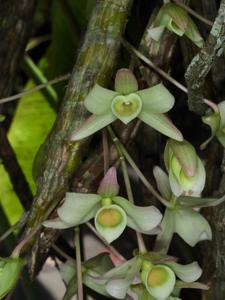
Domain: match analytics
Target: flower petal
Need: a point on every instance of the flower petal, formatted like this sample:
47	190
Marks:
98	101
221	137
188	273
200	202
110	221
221	107
109	186
91	125
191	226
193	34
142	219
78	208
125	82
178	15
156	99
160	281
174	184
56	223
199	179
156	32
120	278
162	181
162	124
213	121
167	229
186	155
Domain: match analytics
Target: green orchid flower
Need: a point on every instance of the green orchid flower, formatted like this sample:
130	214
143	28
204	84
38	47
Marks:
176	19
216	121
182	217
127	103
111	212
186	171
10	269
158	279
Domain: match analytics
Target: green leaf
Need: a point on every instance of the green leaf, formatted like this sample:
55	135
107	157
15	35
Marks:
10	272
125	82
162	124
110	221
200	202
188	273
126	108
164	238
186	155
99	100
191	226
78	208
92	125
159	281
143	219
221	107
162	181
156	99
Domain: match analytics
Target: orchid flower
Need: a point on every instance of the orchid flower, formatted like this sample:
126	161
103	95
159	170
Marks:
127	103
111	212
186	171
176	19
182	217
216	121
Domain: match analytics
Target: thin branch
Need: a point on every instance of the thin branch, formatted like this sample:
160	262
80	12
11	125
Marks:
35	89
194	13
80	292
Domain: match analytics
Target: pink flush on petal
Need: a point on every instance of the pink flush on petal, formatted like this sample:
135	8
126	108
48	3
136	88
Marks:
109	186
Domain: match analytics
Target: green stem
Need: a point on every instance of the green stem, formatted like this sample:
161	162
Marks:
79	264
141	176
105	150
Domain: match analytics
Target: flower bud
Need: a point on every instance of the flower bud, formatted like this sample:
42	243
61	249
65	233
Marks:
125	82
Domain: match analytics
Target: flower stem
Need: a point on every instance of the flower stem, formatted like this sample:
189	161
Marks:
105	150
80	292
140	240
141	176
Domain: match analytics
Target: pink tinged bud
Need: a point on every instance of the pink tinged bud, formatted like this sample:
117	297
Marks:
109	186
125	82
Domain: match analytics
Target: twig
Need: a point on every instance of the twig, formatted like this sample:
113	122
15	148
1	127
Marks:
111	248
136	169
80	292
194	13
35	89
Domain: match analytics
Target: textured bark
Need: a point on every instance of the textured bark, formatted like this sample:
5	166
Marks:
15	23
203	62
95	63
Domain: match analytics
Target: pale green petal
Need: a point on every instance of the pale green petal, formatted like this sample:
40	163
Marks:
78	208
221	137
163	290
120	278
99	100
179	16
162	124
191	226
188	273
186	155
200	202
109	186
221	107
126	108
174	184
92	125
156	99
56	223
164	238
199	179
162	181
142	219
113	228
193	34
156	32
213	121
